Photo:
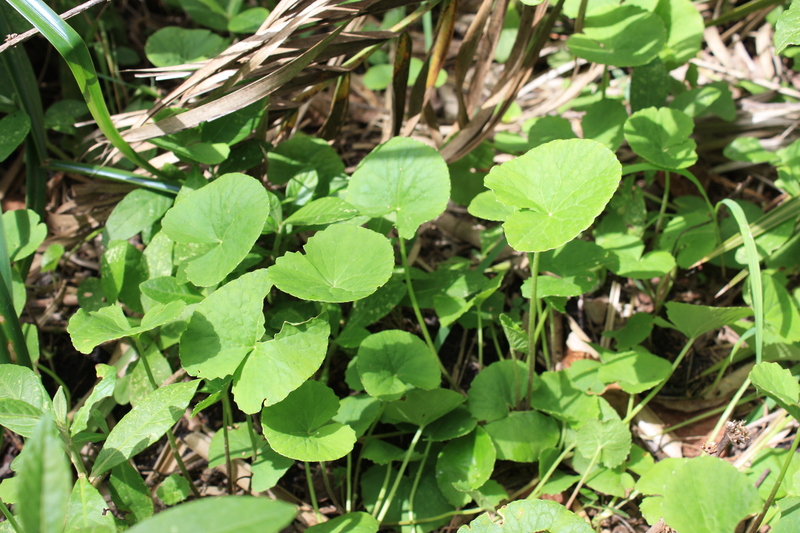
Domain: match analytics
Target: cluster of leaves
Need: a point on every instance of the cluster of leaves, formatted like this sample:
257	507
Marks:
222	292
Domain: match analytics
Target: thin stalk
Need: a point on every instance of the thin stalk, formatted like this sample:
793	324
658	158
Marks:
10	517
73	452
399	478
532	308
328	487
480	338
311	492
348	502
113	174
539	486
730	407
227	419
415	485
653	392
427	30
760	518
382	493
583	479
435	518
413	297
663	210
742	11
15	350
173	444
58	380
496	341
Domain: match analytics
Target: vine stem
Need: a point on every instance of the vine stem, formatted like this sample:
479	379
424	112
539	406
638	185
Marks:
533	307
760	518
399	478
413	297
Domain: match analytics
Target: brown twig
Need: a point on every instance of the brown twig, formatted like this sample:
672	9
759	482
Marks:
17	39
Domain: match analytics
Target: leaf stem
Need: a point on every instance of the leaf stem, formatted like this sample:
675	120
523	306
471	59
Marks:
226	444
742	11
789	456
348	502
653	392
415	485
10	517
532	308
399	478
539	486
311	492
413	297
583	479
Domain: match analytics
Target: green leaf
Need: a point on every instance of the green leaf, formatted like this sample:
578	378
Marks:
528	516
173	490
555	394
225	327
694	320
249	20
22	399
790	516
13	129
702	495
787	30
467	174
24	233
392	362
268	468
522	435
138	211
404	178
466	463
172	46
359	411
779	384
130	493
87	510
497	389
649	85
279	366
548	128
300	426
662	137
383	453
103	389
359	522
45	480
122	269
88	330
454	424
685	28
147	422
166	289
635	370
323	211
305	161
635	330
228	514
555	201
624	36
225	217
604	121
421	407
748	149
342	264
486	206
213	14
51	256
609	439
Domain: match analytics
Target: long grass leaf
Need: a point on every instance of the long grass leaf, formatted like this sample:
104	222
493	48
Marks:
756	290
75	52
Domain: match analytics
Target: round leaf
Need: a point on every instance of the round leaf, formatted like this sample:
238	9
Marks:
24	233
662	137
300	426
559	188
342	264
609	439
172	46
404	178
392	362
421	407
522	435
684	31
528	516
466	463
624	36
226	217
497	389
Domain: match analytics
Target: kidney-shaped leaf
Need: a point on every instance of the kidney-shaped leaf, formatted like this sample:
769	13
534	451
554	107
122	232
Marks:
635	370
88	330
144	424
301	427
497	389
392	362
342	264
559	188
22	399
662	137
278	366
227	217
421	407
528	516
225	327
694	320
779	384
522	435
402	177
466	463
624	36
229	514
